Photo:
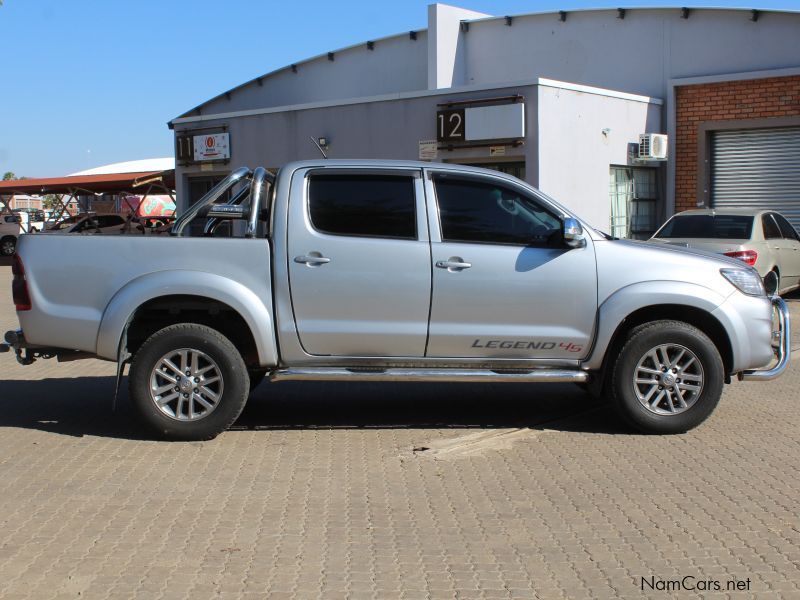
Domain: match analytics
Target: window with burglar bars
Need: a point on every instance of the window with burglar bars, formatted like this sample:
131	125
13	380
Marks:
634	202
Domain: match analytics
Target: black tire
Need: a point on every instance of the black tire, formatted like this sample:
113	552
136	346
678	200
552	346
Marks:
8	245
623	392
772	282
256	377
234	383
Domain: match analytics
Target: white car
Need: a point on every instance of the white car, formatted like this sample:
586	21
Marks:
31	220
762	239
90	223
10	230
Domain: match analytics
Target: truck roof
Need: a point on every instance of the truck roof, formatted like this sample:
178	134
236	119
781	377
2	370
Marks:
394	164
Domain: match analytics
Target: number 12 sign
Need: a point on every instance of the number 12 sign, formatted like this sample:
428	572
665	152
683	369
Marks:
450	125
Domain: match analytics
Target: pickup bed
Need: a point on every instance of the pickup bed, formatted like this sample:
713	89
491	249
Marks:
400	271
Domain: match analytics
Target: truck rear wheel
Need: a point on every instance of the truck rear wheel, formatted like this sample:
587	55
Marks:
188	382
668	378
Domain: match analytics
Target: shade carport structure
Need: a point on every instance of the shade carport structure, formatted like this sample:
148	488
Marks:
143	183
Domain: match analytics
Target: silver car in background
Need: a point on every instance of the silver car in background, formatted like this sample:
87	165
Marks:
762	239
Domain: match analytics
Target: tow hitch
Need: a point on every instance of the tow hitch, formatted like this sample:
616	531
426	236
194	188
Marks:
27	353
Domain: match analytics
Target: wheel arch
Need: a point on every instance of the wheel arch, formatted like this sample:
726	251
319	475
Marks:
676	301
168	297
701	319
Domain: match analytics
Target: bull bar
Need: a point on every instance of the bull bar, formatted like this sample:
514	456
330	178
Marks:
783	336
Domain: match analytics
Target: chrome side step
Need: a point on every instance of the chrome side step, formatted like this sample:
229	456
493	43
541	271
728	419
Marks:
440	374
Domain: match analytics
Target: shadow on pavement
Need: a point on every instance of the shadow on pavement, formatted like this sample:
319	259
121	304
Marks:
82	406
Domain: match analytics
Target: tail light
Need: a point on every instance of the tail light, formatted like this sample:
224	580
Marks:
19	285
749	257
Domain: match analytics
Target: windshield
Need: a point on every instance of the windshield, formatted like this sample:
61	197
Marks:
717	227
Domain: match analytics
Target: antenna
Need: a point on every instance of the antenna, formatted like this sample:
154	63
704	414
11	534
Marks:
318	146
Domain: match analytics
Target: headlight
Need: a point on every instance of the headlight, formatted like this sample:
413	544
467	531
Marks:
747	281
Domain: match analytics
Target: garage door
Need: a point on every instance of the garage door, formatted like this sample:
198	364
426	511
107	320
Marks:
757	168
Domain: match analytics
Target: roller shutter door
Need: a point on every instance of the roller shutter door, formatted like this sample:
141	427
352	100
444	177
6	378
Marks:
757	168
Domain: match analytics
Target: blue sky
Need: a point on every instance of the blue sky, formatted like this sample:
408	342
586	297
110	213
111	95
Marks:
89	82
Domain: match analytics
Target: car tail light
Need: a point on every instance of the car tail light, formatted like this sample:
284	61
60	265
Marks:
749	257
19	285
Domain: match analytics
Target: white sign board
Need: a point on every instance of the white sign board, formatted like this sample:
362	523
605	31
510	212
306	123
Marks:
495	122
214	146
428	150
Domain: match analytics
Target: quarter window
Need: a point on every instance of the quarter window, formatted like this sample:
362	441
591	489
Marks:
363	205
481	211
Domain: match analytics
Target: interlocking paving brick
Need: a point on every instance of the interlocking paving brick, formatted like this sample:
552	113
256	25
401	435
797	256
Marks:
317	492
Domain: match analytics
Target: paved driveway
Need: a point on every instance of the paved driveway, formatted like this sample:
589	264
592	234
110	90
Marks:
391	491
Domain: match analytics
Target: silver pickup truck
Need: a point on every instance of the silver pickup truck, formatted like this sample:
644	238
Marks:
395	271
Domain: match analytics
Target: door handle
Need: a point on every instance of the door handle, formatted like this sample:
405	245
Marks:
310	259
454	263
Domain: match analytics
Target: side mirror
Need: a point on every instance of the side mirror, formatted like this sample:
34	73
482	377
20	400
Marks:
573	233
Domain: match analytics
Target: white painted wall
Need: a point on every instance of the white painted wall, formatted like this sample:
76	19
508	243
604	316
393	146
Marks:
573	153
637	54
446	45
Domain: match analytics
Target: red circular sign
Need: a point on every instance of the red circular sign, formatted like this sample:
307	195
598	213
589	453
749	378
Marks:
209	142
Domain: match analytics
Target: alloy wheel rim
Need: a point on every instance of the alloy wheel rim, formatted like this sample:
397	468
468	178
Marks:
668	379
186	385
7	248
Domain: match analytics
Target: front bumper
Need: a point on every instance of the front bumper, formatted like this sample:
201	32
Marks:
783	337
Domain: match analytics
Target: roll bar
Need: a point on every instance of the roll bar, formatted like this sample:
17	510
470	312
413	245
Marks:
257	188
212	196
256	191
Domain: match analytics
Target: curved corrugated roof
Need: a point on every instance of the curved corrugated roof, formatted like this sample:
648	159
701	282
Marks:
555	13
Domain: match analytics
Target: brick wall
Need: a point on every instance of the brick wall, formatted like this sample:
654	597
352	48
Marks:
731	100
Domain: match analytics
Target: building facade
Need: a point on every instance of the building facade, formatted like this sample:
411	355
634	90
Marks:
557	99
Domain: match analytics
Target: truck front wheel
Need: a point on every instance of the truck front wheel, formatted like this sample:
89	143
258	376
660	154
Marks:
8	245
667	378
188	382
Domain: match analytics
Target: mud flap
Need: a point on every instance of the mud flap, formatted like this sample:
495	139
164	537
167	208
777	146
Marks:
123	358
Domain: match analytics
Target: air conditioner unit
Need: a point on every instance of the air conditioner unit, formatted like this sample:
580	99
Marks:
652	146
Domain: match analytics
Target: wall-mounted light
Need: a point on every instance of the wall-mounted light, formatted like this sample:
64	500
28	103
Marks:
331	56
412	35
685	13
464	26
605	131
323	142
562	16
754	14
509	21
620	13
370	45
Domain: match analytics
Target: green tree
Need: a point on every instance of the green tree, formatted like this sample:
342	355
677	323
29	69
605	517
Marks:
8	175
49	201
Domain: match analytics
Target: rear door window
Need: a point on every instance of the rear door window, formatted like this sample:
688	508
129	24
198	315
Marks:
363	205
771	229
786	228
